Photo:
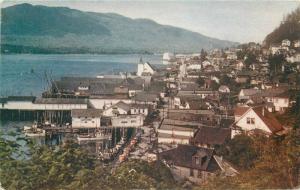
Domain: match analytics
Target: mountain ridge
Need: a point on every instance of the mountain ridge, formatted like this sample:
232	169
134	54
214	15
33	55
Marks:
66	30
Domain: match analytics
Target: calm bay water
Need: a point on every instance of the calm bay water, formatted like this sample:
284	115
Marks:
24	74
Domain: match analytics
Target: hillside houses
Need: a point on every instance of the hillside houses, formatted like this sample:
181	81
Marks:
276	99
286	43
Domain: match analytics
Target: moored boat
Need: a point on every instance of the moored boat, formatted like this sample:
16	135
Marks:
34	131
93	137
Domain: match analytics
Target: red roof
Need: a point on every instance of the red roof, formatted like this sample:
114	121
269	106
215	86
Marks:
239	111
268	118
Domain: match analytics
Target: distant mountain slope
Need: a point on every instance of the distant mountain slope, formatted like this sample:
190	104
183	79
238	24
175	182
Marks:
40	29
288	29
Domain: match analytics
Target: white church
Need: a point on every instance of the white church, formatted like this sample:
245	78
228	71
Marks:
145	69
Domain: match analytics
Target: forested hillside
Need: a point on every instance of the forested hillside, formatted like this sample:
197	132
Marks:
40	29
288	29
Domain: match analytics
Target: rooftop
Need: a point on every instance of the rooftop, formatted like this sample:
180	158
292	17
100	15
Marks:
239	111
165	135
18	98
211	135
200	112
60	101
183	156
145	97
268	118
122	105
177	128
86	113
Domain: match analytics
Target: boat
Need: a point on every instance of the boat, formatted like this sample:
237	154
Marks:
34	131
95	137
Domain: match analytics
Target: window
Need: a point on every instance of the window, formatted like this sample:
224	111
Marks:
250	120
123	121
191	172
203	160
199	174
133	121
197	160
276	100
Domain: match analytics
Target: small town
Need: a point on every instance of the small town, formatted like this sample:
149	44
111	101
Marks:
224	118
179	113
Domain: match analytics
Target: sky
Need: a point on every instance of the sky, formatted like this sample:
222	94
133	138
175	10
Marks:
240	20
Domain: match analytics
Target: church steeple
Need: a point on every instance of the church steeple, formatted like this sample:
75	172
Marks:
141	60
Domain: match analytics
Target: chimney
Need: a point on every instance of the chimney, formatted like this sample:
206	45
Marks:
263	111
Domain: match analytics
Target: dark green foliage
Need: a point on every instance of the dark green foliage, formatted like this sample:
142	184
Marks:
276	166
250	59
295	111
70	167
46	168
239	151
142	175
40	20
41	29
288	29
276	62
203	55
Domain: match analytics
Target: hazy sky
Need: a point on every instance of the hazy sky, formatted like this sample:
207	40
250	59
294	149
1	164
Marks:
241	21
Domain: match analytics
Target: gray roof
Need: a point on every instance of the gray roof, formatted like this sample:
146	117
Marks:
3	100
183	156
86	113
139	106
211	135
249	92
122	105
157	87
101	89
20	98
274	92
180	123
165	135
59	101
189	86
177	128
151	66
146	97
97	86
200	112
